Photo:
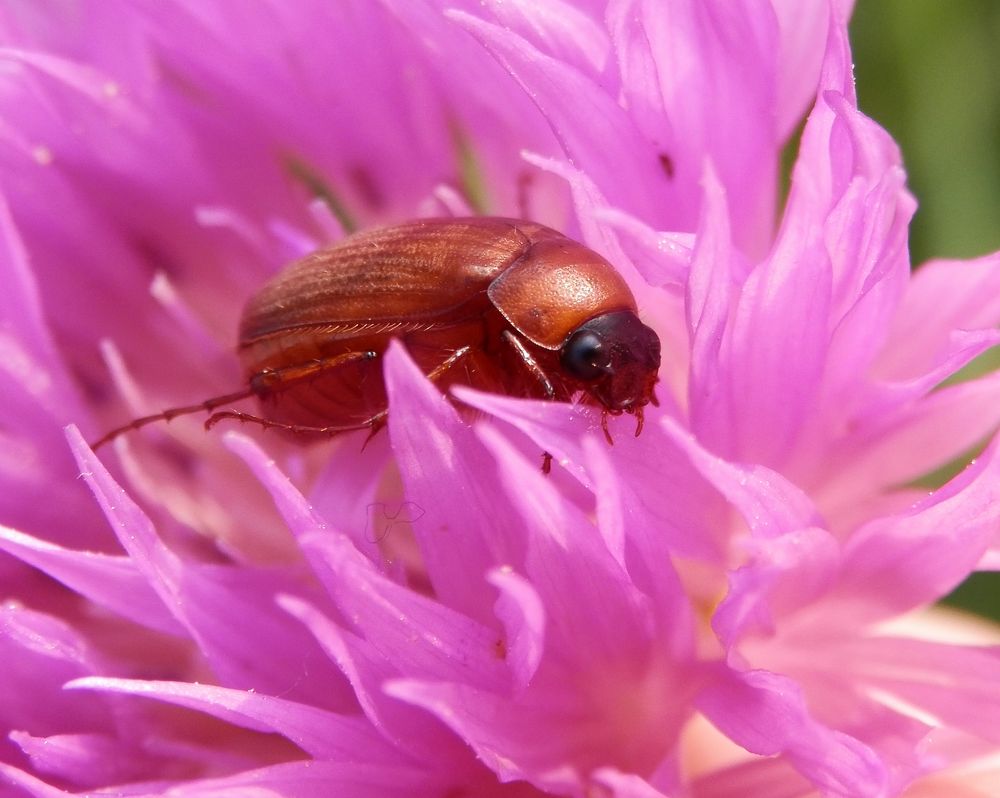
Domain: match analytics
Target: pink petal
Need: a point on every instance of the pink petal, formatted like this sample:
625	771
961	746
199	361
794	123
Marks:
774	778
347	489
311	779
622	162
26	784
500	739
522	613
559	29
662	519
86	760
783	575
464	525
230	612
766	714
594	611
109	581
898	563
803	31
40	653
625	785
908	444
301	516
20	307
319	733
955	684
587	199
416	634
770	505
368	670
675	56
661	258
942	296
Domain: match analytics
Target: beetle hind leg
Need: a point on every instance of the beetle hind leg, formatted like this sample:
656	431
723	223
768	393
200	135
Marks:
166	415
374	423
281	377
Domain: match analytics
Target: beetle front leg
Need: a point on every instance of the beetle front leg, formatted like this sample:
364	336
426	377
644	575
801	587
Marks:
530	364
539	374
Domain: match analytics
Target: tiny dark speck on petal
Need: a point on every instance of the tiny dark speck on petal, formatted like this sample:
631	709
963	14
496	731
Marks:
667	164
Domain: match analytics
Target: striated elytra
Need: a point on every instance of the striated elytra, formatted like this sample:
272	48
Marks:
503	305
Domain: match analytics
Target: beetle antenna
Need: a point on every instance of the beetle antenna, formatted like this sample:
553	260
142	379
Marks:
207	406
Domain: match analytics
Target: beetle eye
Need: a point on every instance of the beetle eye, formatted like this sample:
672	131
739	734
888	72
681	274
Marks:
585	356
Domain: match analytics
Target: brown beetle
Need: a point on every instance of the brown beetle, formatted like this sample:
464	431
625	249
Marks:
504	305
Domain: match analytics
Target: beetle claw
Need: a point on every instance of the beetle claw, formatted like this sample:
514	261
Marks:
604	425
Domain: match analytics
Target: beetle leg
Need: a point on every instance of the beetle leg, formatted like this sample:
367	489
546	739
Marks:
166	415
530	363
453	358
373	424
604	425
266	423
270	380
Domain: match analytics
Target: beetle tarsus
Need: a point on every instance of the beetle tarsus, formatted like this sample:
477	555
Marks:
171	413
374	423
604	426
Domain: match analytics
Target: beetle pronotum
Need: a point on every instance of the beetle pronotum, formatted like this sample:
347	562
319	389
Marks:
504	305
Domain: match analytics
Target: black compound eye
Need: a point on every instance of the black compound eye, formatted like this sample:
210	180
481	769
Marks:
585	356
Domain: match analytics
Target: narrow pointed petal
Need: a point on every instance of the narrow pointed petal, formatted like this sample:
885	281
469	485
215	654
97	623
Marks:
522	613
464	521
412	731
107	580
766	714
608	145
230	618
322	734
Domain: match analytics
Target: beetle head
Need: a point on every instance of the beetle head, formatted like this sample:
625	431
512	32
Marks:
616	359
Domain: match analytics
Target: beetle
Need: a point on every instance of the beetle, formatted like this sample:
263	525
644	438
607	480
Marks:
504	305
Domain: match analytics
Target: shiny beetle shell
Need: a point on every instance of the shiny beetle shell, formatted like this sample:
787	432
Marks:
503	305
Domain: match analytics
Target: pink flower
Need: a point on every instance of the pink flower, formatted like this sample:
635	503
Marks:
711	609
